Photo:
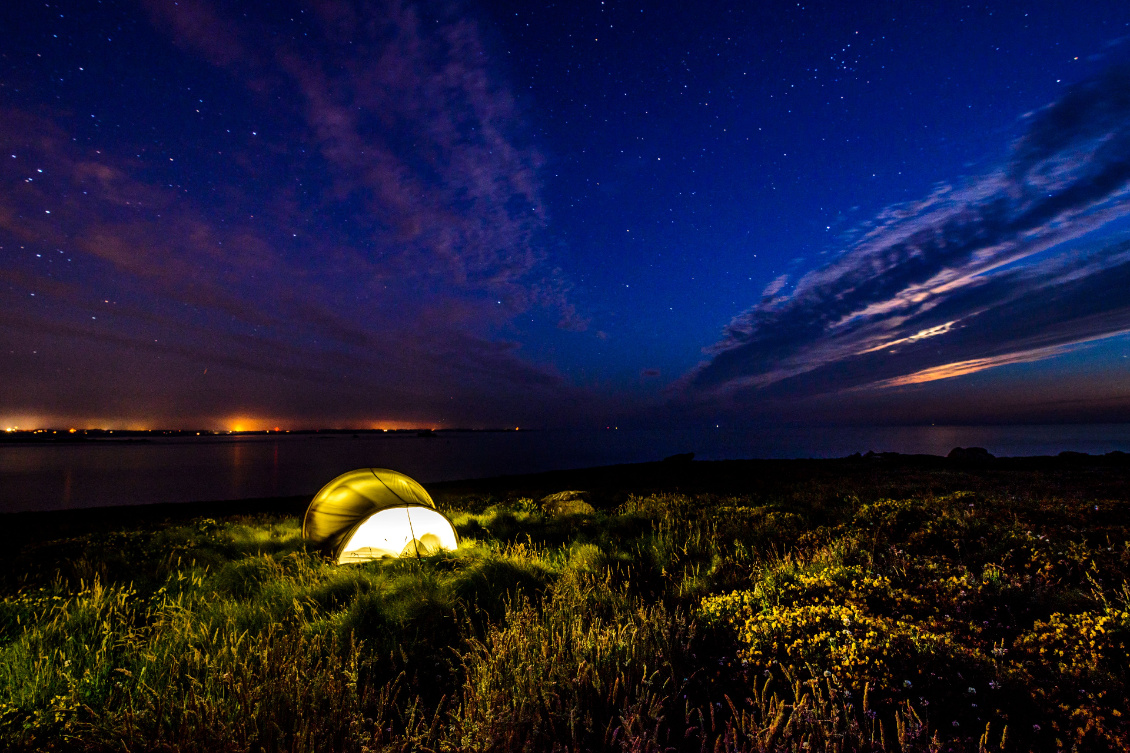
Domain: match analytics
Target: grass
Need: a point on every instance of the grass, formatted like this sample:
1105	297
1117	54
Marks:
814	619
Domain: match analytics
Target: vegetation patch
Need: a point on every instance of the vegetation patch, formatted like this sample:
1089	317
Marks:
820	618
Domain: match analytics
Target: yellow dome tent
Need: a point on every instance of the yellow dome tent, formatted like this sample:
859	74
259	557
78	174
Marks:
372	513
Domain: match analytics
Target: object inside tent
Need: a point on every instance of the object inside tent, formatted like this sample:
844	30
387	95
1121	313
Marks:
372	513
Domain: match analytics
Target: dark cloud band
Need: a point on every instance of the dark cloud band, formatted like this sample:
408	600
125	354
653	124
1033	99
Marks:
1014	265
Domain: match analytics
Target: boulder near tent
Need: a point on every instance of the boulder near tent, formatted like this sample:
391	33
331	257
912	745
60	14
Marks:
372	513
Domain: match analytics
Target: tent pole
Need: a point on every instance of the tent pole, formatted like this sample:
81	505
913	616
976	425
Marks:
411	530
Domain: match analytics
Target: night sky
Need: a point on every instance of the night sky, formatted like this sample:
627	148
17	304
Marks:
219	214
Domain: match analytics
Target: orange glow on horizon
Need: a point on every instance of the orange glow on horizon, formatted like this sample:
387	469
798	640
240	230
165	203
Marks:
395	425
26	422
231	424
244	423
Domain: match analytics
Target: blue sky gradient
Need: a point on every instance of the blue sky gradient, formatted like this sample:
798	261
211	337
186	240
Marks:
493	214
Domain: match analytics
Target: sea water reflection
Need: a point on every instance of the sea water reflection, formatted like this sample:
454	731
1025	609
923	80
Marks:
97	473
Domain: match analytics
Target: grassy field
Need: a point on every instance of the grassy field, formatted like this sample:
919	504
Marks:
844	606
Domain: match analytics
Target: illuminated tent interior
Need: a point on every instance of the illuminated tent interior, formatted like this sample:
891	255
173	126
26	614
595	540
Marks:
373	513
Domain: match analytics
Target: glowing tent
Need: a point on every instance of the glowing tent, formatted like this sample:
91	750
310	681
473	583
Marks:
372	513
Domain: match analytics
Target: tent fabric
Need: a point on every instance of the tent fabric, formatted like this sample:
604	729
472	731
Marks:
351	499
399	532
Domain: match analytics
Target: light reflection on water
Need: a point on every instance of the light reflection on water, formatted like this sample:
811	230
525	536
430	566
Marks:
100	473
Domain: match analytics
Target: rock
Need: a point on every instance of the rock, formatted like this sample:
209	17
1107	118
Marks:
970	454
567	503
872	455
683	457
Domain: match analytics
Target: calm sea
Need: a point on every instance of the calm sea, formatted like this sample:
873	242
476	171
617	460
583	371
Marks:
109	472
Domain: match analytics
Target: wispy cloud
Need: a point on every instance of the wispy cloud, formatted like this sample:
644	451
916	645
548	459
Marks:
421	144
1012	266
367	240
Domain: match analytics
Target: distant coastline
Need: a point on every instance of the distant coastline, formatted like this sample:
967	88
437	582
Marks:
48	436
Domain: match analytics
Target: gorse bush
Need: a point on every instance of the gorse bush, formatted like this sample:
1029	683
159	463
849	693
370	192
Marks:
943	604
812	621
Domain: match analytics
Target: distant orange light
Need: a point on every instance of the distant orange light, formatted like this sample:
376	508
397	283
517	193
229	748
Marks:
517	428
239	424
73	431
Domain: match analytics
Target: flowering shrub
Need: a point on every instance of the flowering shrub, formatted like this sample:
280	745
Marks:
958	606
1081	641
